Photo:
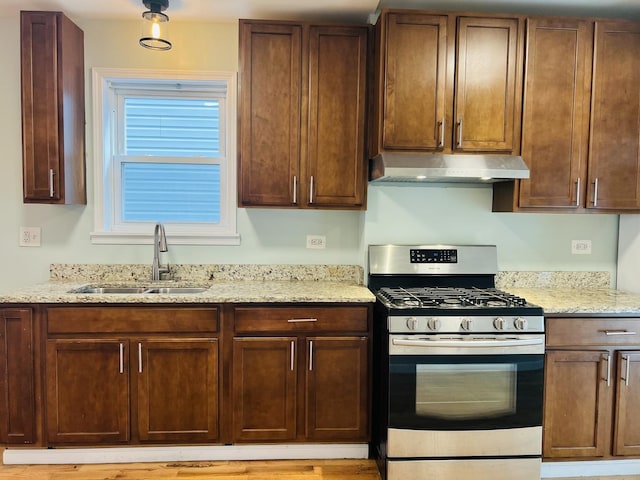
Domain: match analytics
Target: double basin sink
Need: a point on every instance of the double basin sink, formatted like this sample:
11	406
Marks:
139	290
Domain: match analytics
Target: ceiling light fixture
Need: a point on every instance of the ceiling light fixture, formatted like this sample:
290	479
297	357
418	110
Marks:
155	25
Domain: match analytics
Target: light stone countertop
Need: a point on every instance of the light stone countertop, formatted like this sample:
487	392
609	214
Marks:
581	301
218	292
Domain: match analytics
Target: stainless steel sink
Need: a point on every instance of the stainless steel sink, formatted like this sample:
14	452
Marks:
179	290
101	290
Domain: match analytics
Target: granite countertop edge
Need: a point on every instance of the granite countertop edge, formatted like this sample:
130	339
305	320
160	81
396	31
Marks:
581	301
240	291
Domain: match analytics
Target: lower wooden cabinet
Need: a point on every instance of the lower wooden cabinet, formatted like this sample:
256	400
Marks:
264	388
87	391
592	388
130	387
311	383
134	375
337	398
17	394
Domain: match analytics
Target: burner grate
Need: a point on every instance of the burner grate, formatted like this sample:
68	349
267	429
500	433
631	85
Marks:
448	297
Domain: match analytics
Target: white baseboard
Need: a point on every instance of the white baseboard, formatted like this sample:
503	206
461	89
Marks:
57	456
590	468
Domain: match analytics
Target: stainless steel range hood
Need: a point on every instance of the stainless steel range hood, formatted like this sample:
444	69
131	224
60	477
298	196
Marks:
417	167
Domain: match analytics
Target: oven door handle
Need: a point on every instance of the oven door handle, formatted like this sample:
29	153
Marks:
467	343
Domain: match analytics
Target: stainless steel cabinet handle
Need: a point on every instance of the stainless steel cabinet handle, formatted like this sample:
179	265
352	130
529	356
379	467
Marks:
139	357
301	320
459	134
51	182
578	192
442	133
295	189
310	355
595	193
627	360
607	359
311	190
293	355
618	332
121	358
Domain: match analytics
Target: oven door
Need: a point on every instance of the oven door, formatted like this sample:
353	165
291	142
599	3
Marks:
464	395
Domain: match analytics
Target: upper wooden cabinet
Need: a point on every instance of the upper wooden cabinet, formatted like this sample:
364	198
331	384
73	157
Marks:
302	112
581	119
53	118
422	58
614	150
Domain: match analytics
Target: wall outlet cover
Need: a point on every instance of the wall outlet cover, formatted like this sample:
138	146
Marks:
318	242
581	247
30	236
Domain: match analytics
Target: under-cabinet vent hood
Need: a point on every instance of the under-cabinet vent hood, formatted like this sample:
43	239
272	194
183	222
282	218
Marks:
426	167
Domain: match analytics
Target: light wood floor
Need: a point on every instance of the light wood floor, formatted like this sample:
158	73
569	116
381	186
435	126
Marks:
256	470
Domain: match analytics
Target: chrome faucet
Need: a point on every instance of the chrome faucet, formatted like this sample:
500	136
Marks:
159	245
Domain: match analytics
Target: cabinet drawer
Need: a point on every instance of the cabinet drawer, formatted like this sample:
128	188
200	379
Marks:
592	331
301	319
131	320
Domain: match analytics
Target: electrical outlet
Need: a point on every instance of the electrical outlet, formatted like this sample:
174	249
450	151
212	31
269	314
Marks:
29	236
581	247
316	241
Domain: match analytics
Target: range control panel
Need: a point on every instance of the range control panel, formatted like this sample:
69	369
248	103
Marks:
433	255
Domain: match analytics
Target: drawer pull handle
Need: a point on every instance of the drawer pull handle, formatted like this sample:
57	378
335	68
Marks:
302	320
618	332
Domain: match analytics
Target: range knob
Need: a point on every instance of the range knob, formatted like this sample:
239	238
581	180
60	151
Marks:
499	323
412	323
520	323
434	324
466	324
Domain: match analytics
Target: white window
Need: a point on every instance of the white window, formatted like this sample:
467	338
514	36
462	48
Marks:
164	150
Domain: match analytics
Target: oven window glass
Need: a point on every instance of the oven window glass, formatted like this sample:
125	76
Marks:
465	392
457	392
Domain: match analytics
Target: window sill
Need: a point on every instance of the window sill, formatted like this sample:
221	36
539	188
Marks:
120	238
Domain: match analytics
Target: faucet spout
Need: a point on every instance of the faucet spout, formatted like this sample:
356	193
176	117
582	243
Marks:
159	245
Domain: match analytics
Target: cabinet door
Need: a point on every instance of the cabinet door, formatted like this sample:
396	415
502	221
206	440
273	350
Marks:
488	85
555	126
53	120
415	82
87	385
177	389
269	109
17	401
264	388
41	151
614	165
337	100
577	404
626	440
337	389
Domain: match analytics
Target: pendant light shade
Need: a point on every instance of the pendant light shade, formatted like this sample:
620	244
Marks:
155	25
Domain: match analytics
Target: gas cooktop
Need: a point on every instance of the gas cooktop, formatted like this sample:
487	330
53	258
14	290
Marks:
447	298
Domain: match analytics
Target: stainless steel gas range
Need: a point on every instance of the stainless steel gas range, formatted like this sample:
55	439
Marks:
458	367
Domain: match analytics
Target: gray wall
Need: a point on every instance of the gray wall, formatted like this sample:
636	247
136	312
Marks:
421	215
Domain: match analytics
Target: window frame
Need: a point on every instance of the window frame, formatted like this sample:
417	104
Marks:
107	228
